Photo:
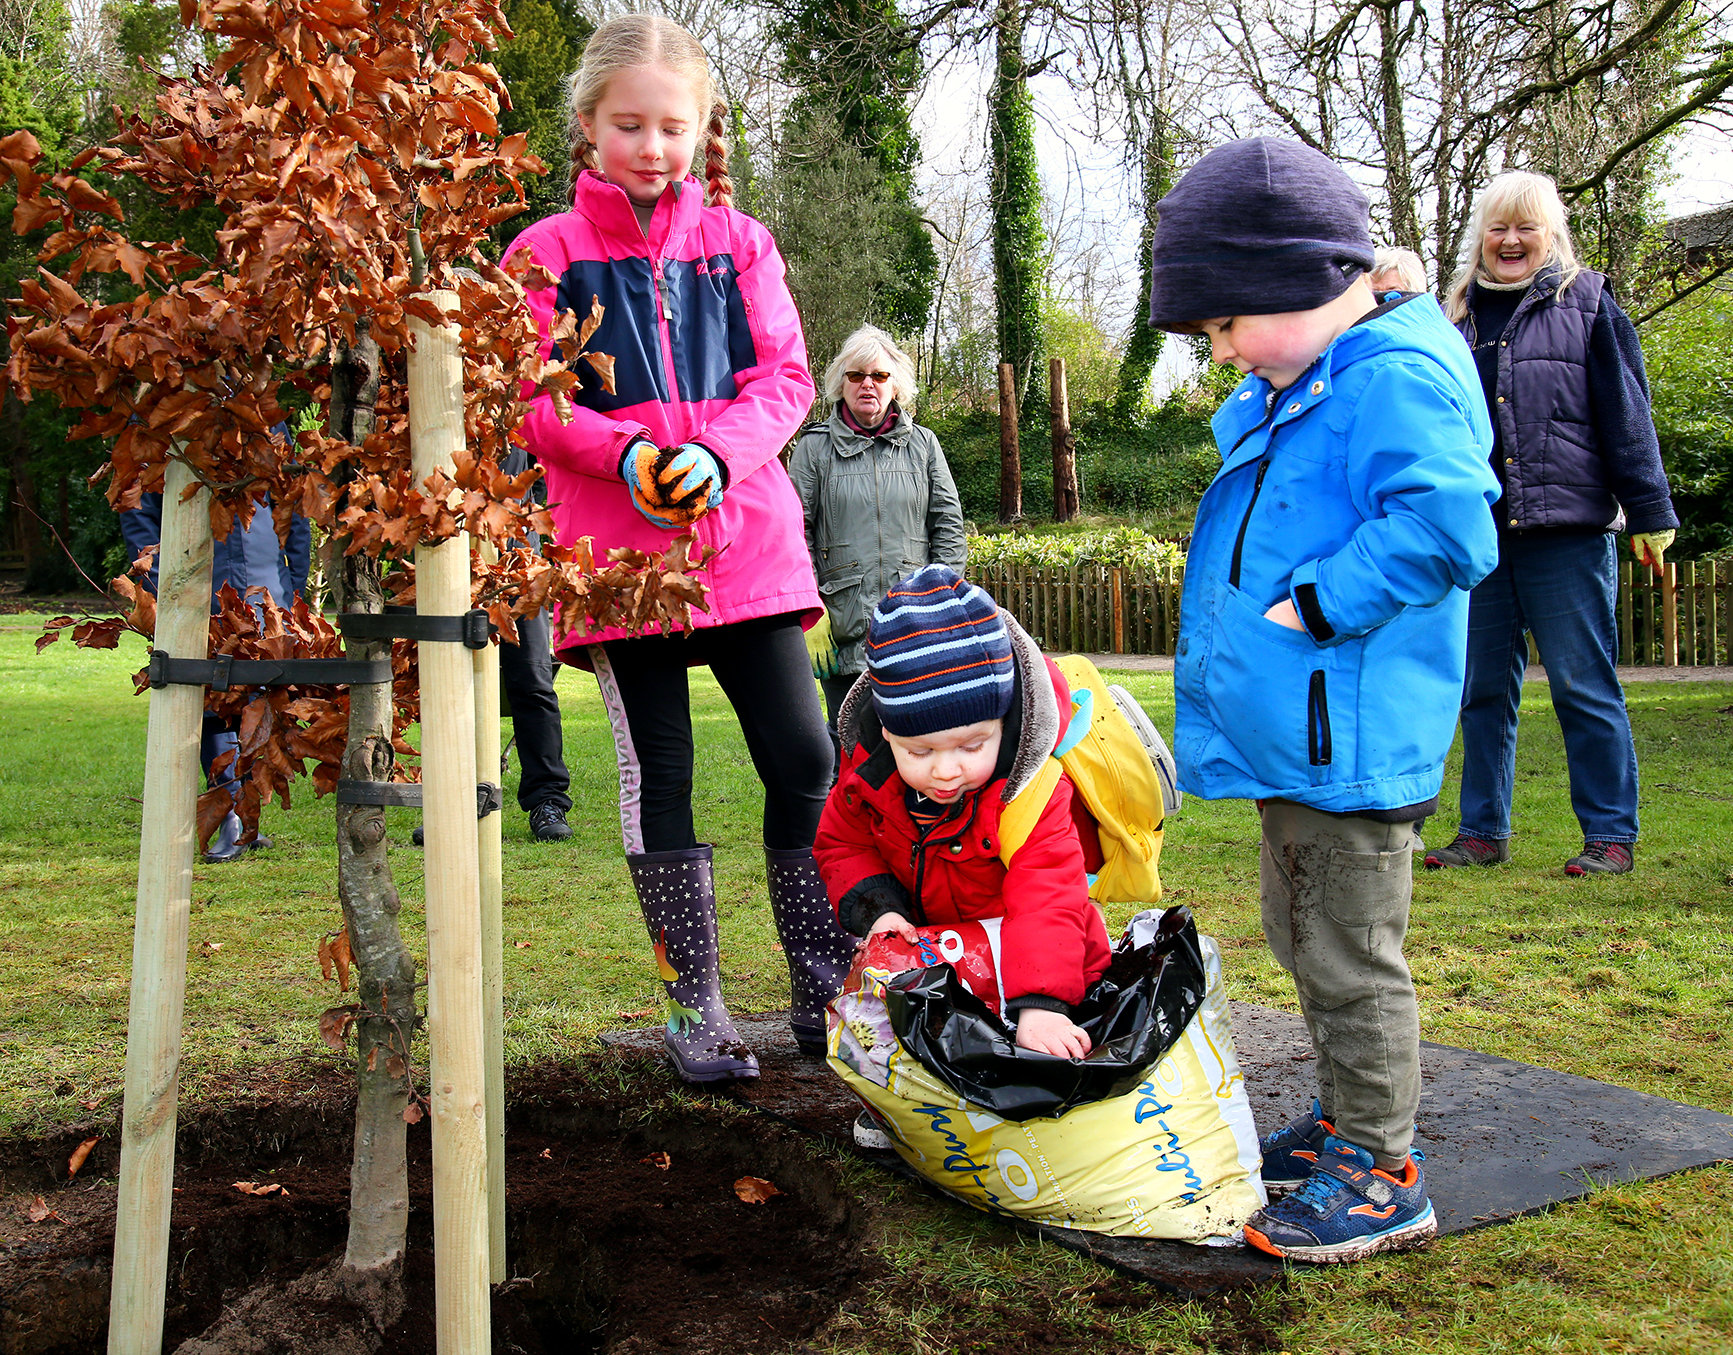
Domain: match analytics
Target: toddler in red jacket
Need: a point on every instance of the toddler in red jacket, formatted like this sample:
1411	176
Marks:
955	715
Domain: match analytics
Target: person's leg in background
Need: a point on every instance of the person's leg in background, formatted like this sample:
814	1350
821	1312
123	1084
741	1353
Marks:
1567	585
1491	700
526	675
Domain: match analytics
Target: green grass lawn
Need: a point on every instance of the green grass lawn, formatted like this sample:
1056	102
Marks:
1629	980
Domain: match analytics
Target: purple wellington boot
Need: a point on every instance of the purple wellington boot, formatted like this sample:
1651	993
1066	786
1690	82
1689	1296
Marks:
818	950
677	893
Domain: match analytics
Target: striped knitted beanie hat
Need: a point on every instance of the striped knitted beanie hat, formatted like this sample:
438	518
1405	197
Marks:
938	655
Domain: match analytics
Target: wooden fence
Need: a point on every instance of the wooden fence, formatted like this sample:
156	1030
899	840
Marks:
1098	609
1684	619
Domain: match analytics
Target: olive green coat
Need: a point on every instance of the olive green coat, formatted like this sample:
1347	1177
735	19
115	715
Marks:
877	509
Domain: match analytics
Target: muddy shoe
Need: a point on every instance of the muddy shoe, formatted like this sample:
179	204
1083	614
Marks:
1603	858
1468	851
1348	1210
1291	1153
868	1134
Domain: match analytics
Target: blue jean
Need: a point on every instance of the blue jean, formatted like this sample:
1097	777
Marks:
1563	589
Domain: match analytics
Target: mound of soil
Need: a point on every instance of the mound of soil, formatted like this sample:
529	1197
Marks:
612	1246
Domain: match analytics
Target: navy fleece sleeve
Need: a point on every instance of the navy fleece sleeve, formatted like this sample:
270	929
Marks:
1624	423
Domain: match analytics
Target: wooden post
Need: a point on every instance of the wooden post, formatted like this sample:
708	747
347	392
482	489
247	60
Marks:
1065	500
1010	460
1712	614
1670	614
167	841
488	854
456	1044
1118	610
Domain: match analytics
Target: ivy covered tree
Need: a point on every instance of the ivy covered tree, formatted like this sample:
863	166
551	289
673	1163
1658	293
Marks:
549	38
1019	241
855	67
1143	343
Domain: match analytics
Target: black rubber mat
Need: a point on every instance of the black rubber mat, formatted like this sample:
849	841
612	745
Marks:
1501	1138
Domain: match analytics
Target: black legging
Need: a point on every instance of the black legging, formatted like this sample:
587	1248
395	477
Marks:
763	669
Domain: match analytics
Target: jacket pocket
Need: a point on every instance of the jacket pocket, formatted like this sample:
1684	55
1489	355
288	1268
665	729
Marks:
846	600
1318	746
1264	686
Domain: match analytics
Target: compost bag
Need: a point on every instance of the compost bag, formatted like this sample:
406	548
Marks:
1133	1014
1151	1136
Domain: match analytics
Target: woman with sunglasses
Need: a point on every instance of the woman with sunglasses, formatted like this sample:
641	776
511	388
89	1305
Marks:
879	500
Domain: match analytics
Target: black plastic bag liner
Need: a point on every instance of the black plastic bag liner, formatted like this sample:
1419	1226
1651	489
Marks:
1133	1013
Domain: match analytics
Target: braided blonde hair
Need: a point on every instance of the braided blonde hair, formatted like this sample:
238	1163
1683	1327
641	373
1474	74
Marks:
630	40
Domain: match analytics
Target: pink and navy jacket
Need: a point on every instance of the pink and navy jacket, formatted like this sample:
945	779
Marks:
707	348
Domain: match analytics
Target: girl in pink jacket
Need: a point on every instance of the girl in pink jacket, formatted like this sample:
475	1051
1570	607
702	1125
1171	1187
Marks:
710	383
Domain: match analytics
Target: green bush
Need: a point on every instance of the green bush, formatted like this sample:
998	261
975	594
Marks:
1115	546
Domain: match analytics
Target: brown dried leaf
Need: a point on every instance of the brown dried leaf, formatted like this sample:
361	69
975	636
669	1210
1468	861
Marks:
38	1209
258	1188
754	1189
343	957
79	1153
412	1113
658	1160
633	1016
395	1065
325	967
334	1025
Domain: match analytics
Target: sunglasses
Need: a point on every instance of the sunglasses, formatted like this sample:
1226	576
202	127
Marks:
855	378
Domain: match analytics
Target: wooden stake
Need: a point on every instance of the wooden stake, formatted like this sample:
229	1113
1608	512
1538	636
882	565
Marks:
1065	504
1010	459
1118	610
167	840
487	762
456	1044
1669	581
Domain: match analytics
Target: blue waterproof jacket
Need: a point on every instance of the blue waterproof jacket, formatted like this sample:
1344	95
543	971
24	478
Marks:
1361	492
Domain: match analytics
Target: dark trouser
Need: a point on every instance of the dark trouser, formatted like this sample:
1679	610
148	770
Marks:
1562	587
526	673
1335	893
763	669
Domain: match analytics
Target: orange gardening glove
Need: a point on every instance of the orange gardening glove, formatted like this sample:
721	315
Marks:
672	486
1650	547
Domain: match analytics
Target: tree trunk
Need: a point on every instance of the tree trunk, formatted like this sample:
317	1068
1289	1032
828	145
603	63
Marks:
1065	505
379	1178
1398	173
1019	242
1143	346
1010	459
28	527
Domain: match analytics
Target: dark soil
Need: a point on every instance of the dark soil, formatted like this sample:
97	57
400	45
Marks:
608	1251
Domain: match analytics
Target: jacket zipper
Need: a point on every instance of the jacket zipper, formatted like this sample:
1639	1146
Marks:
1245	522
918	857
1318	748
664	331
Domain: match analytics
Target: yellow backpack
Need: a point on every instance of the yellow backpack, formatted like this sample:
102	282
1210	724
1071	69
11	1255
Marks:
1121	767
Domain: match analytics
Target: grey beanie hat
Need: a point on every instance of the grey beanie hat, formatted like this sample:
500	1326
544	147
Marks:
1257	227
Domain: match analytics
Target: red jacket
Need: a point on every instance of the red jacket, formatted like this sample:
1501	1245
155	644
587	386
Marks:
1053	941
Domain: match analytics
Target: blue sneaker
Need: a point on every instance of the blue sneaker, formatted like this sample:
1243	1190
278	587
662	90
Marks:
1347	1210
1291	1153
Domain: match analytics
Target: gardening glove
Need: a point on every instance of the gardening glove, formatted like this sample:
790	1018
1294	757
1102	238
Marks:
821	648
1650	547
672	486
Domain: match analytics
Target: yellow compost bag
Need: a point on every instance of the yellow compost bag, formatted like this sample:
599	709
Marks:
1175	1158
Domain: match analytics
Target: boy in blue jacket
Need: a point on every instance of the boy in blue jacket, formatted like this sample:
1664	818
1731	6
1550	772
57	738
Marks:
1322	639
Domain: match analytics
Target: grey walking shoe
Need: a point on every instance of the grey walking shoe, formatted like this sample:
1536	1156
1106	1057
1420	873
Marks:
678	895
816	947
1468	851
548	822
1603	858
